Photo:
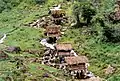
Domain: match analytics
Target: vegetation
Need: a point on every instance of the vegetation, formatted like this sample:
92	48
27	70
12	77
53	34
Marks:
94	35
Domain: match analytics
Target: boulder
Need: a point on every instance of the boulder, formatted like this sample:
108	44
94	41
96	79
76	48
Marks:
109	70
12	49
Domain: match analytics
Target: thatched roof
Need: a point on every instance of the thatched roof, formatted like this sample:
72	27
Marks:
76	60
64	53
57	11
64	46
53	30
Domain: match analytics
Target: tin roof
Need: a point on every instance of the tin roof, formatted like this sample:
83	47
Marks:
76	60
64	46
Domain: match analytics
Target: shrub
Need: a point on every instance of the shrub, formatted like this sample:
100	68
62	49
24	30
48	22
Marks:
114	78
8	4
111	34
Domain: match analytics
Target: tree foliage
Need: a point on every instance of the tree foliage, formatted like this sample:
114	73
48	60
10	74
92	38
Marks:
8	4
83	10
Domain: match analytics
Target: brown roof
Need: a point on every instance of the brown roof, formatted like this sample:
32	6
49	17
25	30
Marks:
78	67
64	46
64	53
76	60
53	31
57	11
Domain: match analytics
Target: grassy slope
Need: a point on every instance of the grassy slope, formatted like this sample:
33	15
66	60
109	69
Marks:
100	54
11	23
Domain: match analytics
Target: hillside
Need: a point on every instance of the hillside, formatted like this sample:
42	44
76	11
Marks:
90	40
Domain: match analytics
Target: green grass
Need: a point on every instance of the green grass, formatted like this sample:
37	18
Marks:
12	22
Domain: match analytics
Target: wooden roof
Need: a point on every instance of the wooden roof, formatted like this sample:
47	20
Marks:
64	46
76	60
64	54
57	11
53	30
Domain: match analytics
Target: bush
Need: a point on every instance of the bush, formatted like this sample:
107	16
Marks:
83	10
87	13
114	78
111	34
8	4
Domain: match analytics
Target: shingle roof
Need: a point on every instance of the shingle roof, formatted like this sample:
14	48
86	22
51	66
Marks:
76	60
64	46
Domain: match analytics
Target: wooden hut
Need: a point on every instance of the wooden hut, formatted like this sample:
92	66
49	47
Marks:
64	49
78	65
57	15
52	32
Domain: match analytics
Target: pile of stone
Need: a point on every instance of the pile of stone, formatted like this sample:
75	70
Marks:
42	22
13	49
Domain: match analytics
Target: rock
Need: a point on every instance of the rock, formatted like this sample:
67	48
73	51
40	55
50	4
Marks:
46	75
109	70
62	33
3	55
2	39
12	49
73	24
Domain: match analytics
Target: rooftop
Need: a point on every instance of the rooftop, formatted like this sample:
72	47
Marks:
53	30
76	60
64	46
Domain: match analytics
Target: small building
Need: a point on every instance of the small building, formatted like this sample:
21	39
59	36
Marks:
77	65
57	15
53	32
64	49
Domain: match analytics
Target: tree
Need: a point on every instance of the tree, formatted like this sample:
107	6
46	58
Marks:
83	10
